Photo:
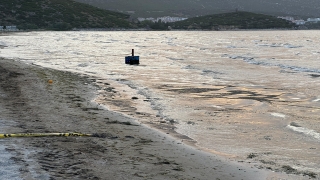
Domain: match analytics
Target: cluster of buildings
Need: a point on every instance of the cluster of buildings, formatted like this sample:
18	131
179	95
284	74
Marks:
300	21
165	19
8	28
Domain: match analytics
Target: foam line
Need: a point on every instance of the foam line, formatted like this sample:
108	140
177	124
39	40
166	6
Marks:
252	60
305	131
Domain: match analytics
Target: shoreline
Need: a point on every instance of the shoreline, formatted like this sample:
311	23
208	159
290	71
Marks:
6	33
130	151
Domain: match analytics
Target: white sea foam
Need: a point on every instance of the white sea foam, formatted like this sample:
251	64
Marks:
262	62
278	115
8	168
218	107
2	43
305	131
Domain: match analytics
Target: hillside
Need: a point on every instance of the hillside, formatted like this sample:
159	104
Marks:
193	8
236	20
58	15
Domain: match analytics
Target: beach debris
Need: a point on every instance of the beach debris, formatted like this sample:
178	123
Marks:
123	123
252	155
315	75
171	121
50	81
267	138
294	124
288	169
191	123
102	135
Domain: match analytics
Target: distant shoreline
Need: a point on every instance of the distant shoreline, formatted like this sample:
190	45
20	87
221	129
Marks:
3	33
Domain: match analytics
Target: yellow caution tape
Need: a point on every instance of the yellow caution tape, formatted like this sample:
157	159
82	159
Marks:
50	134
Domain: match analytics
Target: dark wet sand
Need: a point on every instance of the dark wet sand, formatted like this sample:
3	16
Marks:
29	104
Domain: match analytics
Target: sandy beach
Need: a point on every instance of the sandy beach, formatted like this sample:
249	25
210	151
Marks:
29	104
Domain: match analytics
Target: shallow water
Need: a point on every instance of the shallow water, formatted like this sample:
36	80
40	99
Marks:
8	168
235	93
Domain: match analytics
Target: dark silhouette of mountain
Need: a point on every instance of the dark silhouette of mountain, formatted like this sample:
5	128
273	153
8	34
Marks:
234	20
58	15
192	8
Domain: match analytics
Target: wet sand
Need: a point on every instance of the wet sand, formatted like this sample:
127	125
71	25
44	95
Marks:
29	104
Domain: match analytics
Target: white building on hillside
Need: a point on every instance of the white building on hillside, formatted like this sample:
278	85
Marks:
313	20
288	18
300	22
8	28
165	19
291	19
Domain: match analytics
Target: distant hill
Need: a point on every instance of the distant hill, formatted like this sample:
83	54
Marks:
193	8
236	20
58	15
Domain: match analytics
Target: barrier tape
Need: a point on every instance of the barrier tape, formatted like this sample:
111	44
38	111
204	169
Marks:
51	134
